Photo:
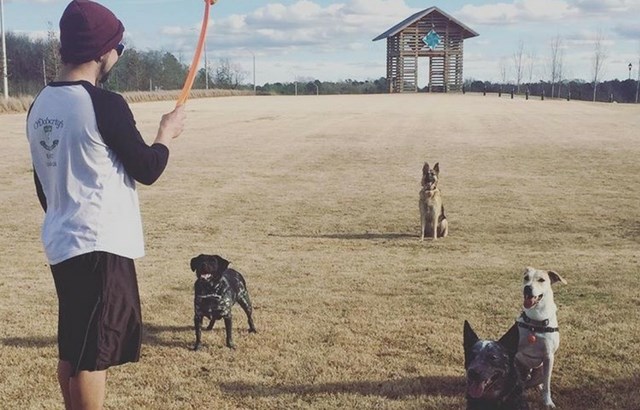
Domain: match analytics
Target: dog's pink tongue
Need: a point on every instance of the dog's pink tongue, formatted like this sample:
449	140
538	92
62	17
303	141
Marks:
476	389
528	302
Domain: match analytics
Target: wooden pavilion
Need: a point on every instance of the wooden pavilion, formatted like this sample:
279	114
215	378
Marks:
430	33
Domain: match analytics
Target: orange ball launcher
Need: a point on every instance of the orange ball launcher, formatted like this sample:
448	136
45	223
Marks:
191	75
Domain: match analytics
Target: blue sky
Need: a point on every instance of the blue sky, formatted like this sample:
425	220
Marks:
331	39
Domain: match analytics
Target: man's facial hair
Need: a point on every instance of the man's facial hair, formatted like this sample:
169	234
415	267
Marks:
105	77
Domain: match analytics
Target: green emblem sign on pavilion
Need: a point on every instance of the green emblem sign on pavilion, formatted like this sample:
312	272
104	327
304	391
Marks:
432	39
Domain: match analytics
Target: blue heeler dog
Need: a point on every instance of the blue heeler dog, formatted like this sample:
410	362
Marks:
493	381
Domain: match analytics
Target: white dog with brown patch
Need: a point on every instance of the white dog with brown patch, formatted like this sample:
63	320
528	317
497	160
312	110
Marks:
539	333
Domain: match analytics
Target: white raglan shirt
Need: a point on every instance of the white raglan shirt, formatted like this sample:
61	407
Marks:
91	201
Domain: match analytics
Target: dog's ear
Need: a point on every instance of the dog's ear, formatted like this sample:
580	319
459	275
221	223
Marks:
195	262
436	168
555	277
510	340
223	264
469	339
425	168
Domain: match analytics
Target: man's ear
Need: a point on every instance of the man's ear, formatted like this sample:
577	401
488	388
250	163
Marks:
223	264
195	262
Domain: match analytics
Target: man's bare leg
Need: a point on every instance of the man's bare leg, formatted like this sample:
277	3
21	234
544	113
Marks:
85	391
64	374
88	390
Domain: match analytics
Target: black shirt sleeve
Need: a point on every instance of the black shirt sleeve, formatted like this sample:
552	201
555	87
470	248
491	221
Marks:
117	126
40	191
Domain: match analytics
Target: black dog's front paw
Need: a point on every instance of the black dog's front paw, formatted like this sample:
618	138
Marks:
252	330
231	345
196	347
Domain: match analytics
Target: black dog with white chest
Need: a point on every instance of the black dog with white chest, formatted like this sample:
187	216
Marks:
217	289
492	379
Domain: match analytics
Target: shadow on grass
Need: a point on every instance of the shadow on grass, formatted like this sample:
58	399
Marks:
620	393
165	335
33	341
349	236
391	389
152	335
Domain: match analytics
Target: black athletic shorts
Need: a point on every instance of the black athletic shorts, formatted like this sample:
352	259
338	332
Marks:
99	320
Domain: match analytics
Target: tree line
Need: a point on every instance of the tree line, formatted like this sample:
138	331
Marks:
31	64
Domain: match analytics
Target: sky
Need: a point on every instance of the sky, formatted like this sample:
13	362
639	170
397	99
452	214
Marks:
331	40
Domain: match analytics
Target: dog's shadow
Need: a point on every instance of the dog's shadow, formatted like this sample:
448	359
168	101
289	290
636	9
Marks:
394	389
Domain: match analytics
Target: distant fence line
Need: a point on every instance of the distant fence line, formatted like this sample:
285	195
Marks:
607	91
528	95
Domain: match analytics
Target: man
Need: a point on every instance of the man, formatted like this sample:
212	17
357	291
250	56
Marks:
87	153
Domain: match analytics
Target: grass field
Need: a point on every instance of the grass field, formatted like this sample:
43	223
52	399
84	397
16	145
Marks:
314	200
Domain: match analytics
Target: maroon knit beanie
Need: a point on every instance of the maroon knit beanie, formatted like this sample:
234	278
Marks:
88	30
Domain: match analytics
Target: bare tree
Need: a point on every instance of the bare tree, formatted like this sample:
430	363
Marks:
228	75
560	73
598	60
556	61
504	71
518	64
531	61
51	59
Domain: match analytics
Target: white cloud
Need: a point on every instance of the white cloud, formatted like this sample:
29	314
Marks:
516	12
607	6
304	23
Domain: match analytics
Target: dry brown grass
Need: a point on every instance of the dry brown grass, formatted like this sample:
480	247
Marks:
15	104
21	103
314	199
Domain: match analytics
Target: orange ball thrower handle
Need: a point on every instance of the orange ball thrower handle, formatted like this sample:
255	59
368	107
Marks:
191	75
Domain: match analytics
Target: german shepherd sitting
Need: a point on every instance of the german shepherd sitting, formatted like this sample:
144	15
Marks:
433	221
493	381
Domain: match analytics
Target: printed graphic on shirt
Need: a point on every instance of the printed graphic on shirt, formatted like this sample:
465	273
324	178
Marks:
48	142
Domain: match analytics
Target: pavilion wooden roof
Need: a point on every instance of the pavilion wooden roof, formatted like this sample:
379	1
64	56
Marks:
466	31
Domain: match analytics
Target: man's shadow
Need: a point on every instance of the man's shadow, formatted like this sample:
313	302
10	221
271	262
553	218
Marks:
152	335
35	342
